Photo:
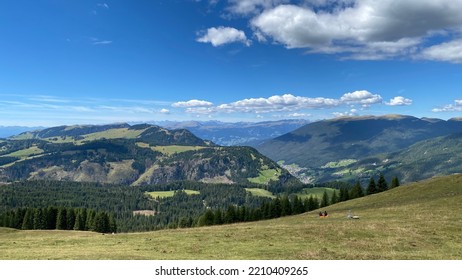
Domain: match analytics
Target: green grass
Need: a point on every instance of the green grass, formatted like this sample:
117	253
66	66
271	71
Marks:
114	133
265	176
260	192
33	150
173	149
418	221
164	194
315	192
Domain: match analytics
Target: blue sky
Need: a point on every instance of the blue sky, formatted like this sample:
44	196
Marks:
82	61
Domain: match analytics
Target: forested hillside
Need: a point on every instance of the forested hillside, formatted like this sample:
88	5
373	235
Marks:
131	155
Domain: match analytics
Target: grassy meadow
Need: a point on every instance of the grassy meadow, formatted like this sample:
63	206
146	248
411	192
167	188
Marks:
418	221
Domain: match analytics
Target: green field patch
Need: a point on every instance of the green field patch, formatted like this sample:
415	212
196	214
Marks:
260	192
115	133
265	176
164	194
315	192
338	164
31	151
174	149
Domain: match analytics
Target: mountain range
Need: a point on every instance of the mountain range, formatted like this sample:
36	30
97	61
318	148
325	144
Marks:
360	147
135	155
238	133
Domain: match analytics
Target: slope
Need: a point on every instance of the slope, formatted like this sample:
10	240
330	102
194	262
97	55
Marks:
424	159
418	221
352	139
137	155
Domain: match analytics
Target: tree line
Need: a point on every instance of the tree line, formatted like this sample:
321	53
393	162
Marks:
59	218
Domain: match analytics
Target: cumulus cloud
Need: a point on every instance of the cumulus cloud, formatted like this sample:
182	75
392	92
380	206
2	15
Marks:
245	7
361	97
449	51
281	103
192	103
363	29
164	111
456	107
399	101
219	36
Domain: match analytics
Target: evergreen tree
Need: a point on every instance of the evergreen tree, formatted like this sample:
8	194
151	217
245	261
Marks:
61	219
28	221
218	217
356	191
334	198
382	184
298	205
394	182
40	219
371	188
112	223
70	219
230	216
276	208
207	218
89	223
286	207
344	194
325	199
102	222
52	214
18	219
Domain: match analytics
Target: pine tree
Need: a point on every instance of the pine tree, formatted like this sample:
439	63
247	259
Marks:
40	219
101	222
206	219
325	199
218	217
394	182
334	198
52	214
382	184
70	219
371	188
356	191
286	207
344	194
61	219
28	221
298	205
276	208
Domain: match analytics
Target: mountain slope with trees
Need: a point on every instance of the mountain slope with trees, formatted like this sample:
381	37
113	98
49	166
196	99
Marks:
325	150
136	155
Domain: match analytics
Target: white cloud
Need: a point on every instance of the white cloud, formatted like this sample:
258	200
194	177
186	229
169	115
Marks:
252	6
192	103
399	101
364	29
164	111
361	97
281	103
219	36
449	51
456	107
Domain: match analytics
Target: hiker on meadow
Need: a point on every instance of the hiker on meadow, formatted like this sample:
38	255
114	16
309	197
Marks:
325	213
321	215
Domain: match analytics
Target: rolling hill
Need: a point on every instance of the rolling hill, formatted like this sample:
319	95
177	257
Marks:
325	150
421	220
136	155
